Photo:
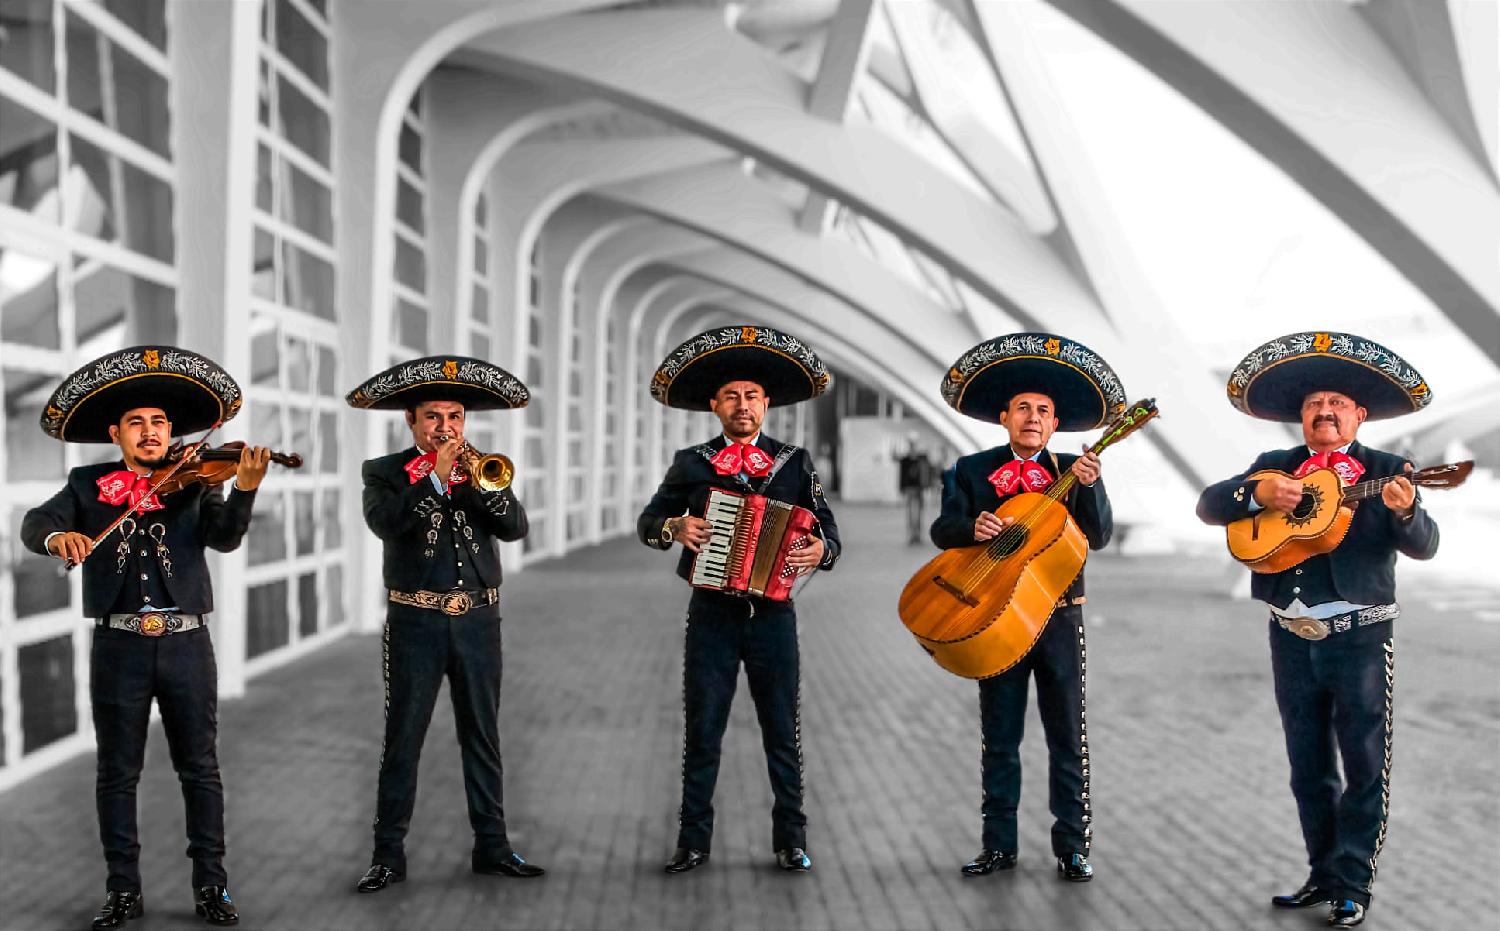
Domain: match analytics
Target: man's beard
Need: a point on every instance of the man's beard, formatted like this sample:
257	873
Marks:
156	463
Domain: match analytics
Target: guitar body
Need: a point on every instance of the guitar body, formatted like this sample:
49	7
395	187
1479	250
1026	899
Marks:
979	615
1270	541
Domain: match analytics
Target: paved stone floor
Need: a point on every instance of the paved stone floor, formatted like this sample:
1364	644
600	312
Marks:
1195	826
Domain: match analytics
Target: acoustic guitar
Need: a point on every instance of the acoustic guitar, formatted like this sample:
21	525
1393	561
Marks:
979	609
1272	541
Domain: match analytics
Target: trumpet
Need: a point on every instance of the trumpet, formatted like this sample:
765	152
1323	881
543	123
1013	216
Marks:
491	473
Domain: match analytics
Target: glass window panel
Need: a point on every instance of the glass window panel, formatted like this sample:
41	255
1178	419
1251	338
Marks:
411	325
265	356
39	587
264	165
332	523
31	455
479	303
307	604
411	148
481	256
263	91
27	50
536	456
411	266
481	212
333	595
533	371
306	202
266	625
148	18
321	6
414	105
104	297
28	159
480	345
327	372
328	442
575	487
305	527
266	541
114	87
575	382
575	419
535	412
49	706
409	205
28	300
298	364
263	266
302	122
303	45
575	451
265	424
309	282
136	213
534	333
575	526
301	423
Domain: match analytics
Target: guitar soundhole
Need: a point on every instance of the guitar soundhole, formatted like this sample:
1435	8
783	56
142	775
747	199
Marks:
1312	500
1008	542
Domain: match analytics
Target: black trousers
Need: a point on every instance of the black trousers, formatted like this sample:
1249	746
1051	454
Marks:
420	647
724	631
127	671
1059	663
1335	699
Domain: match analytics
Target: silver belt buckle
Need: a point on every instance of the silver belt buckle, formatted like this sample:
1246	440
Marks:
455	604
1308	628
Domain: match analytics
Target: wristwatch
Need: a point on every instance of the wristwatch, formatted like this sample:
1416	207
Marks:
668	530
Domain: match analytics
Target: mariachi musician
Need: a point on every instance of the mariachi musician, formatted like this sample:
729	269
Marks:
1332	616
438	517
738	372
148	590
1035	384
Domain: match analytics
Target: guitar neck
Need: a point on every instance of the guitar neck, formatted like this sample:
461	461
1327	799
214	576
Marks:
1362	490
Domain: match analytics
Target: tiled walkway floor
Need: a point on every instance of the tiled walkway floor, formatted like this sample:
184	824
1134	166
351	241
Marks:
1194	828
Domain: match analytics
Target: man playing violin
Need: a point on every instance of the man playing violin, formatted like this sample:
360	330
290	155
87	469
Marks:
738	372
442	576
1037	384
147	586
1332	616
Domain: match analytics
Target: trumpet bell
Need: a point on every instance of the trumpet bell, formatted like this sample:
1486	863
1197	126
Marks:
494	472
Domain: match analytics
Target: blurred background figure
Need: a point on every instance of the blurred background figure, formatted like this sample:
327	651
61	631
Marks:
914	477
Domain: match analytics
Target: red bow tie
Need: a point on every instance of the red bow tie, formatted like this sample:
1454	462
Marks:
422	466
1348	468
1019	475
742	457
125	486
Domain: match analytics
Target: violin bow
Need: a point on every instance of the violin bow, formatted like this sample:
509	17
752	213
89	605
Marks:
187	456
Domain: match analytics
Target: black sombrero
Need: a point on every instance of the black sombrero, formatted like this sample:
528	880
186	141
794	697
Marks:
194	392
476	384
1271	382
783	365
1085	390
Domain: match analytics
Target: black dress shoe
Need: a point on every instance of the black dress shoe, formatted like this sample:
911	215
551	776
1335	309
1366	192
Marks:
213	905
1075	868
1309	894
118	908
793	860
377	877
686	858
511	864
989	861
1346	914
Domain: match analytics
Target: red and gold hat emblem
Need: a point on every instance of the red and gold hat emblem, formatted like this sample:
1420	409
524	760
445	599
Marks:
450	369
747	334
152	358
1419	390
1054	346
1321	342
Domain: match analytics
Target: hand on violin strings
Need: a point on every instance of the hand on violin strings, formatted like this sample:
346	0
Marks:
254	460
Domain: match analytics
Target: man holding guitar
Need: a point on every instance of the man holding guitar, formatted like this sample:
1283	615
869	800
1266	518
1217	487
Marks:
1331	623
737	372
1035	383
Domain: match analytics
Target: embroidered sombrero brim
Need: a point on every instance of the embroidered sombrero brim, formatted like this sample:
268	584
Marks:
1271	382
1084	390
783	365
476	384
194	392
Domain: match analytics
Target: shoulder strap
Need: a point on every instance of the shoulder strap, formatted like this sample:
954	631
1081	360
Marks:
782	458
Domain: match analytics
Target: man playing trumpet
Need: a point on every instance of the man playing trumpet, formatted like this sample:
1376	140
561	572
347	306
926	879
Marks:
438	526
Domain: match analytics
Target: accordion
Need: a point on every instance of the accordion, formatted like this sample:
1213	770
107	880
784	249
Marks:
751	536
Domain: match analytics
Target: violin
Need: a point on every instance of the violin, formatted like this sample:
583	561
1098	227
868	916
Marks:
214	466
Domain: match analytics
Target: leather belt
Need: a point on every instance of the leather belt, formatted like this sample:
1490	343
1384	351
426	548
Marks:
153	623
1316	628
454	604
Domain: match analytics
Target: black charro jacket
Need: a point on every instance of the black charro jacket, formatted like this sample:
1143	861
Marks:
690	478
423	529
1362	569
192	519
967	493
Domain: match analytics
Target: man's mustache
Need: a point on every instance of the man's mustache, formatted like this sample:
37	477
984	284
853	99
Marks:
1326	418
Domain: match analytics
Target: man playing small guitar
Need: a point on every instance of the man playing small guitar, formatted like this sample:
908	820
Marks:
1331	623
